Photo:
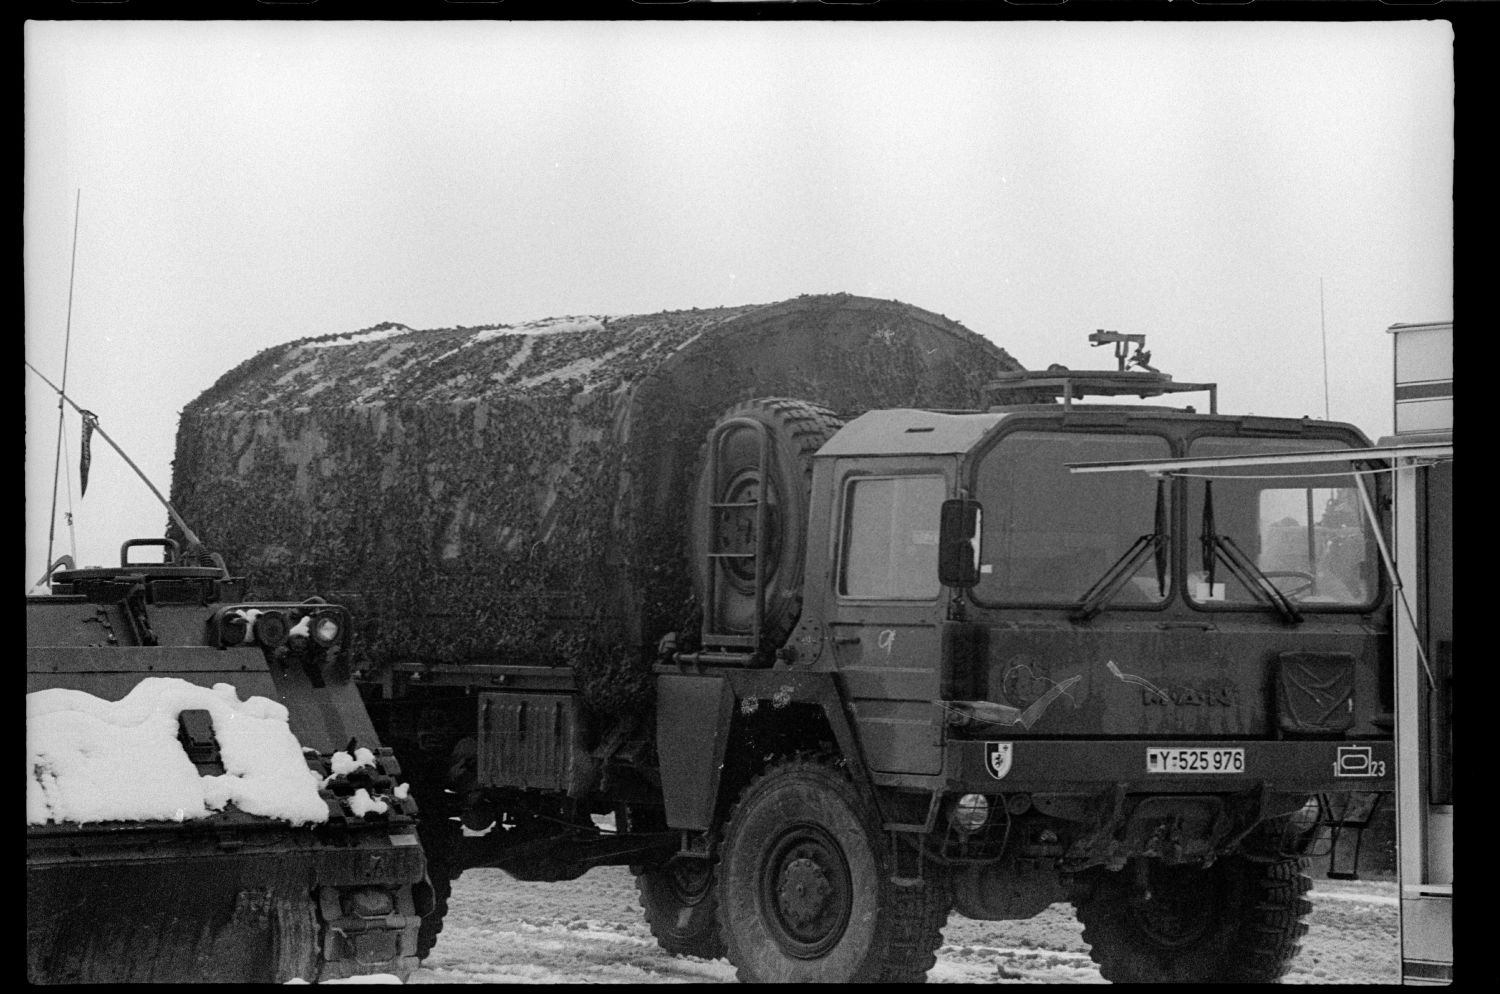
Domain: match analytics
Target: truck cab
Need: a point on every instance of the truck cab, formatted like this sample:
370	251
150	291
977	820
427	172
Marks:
1092	653
1236	614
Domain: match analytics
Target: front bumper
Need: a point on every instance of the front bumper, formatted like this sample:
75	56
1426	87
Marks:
991	766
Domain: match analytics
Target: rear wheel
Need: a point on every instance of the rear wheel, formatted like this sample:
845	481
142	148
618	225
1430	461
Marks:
1236	921
681	904
806	893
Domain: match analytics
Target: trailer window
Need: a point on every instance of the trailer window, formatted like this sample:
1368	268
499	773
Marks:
1302	525
1050	535
891	537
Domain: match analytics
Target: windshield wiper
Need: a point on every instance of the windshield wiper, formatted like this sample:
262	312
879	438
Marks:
1241	566
1105	588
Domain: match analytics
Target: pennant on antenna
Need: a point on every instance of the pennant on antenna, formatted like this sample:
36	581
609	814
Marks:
90	422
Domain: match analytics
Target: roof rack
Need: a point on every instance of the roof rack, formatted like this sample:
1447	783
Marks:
1056	381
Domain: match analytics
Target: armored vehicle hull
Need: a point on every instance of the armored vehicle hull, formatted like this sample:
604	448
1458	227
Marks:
207	800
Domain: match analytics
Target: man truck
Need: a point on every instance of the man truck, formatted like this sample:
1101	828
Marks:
801	613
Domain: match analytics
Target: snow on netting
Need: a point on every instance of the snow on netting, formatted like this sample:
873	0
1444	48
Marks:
521	492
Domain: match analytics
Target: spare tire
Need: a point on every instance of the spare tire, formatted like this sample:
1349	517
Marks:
794	430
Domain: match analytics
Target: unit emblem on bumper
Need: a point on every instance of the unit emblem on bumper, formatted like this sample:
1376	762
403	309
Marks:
997	758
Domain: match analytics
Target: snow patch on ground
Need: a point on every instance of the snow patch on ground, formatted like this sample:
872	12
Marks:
590	930
1359	897
92	760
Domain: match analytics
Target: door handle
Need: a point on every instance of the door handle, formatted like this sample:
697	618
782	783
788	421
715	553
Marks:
846	640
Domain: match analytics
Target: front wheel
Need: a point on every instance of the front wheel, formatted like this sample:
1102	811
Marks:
1236	921
805	889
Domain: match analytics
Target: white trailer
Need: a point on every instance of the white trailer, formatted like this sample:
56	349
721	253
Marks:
1422	518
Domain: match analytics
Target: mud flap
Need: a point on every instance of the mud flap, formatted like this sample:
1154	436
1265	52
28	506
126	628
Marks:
692	729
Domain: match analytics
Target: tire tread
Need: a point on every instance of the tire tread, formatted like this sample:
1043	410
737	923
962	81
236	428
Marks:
708	944
1259	949
915	914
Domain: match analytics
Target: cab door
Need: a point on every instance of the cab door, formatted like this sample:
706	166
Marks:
887	606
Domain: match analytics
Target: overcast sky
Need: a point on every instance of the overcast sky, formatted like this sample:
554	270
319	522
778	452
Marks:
249	183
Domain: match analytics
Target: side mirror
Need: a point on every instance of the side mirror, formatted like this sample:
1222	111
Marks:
958	543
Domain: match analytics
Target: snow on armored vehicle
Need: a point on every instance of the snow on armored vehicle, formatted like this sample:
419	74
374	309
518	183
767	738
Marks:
206	798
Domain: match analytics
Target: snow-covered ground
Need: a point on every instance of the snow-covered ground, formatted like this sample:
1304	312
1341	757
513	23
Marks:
590	930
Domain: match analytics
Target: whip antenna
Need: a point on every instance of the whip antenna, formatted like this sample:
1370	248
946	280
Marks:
1323	326
67	341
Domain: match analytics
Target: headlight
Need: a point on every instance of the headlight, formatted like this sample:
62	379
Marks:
233	628
326	630
970	812
271	629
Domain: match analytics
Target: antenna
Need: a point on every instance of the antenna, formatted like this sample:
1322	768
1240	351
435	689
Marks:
1323	325
187	533
67	342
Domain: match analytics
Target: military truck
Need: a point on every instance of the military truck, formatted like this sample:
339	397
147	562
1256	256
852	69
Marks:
801	613
230	894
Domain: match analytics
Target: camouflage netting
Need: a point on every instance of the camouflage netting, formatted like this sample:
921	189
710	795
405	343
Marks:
520	493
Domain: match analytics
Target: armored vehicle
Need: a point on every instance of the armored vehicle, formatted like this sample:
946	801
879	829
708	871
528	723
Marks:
163	841
804	614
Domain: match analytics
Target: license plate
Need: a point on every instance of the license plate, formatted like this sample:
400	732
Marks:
1195	761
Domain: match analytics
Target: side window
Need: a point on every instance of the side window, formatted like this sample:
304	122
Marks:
890	547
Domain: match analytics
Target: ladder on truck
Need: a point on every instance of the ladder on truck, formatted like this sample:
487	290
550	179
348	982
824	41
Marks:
736	534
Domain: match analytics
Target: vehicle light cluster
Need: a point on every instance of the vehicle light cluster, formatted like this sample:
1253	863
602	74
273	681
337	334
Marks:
275	627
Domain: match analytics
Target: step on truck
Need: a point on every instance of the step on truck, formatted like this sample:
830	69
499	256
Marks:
828	663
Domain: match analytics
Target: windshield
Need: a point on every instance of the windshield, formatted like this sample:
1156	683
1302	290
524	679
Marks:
1050	535
1301	526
